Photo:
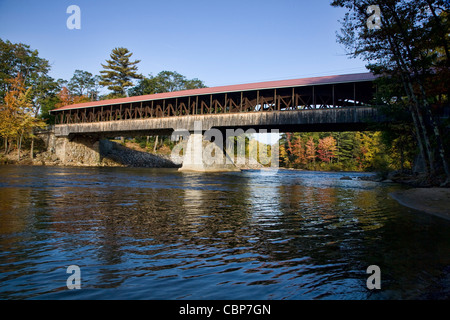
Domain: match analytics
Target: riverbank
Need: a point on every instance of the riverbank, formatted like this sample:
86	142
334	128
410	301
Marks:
116	155
435	201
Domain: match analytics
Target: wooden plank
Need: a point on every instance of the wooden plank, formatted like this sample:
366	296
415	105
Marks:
196	105
189	105
240	104
233	105
313	97
292	100
332	93
210	103
225	105
275	101
257	100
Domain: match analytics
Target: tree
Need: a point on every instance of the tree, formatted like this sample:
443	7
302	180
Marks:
18	58
299	152
326	149
119	71
47	98
284	159
410	48
165	81
65	98
16	114
310	151
400	145
83	83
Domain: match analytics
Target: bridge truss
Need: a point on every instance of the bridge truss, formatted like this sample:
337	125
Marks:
288	95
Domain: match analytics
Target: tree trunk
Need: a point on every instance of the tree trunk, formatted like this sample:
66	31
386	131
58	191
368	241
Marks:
421	134
417	128
32	148
402	58
423	128
156	144
437	135
19	146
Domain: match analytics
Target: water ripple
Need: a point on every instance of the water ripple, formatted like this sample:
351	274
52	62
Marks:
161	234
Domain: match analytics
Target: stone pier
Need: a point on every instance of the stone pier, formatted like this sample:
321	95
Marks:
201	155
80	150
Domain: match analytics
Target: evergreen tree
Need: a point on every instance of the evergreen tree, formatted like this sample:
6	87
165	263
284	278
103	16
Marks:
346	141
411	47
119	71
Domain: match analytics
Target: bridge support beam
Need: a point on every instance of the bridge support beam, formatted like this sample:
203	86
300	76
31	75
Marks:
201	155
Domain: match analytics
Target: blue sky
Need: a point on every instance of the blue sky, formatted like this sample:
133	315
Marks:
219	42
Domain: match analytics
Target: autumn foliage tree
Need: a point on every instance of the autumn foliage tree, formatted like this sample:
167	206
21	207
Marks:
326	149
66	98
17	119
310	151
348	151
299	152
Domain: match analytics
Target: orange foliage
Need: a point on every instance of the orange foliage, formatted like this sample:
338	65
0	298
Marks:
66	98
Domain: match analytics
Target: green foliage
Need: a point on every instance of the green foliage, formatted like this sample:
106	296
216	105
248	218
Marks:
411	52
84	83
18	58
165	81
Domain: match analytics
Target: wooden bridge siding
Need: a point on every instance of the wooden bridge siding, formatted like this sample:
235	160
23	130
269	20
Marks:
267	100
335	119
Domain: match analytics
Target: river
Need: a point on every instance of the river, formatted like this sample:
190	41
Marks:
160	234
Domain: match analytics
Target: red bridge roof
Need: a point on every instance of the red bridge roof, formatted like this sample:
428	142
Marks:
356	77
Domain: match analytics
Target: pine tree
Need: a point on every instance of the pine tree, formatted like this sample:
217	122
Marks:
346	147
119	71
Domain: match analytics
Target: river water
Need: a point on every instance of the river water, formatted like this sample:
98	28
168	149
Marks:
161	234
